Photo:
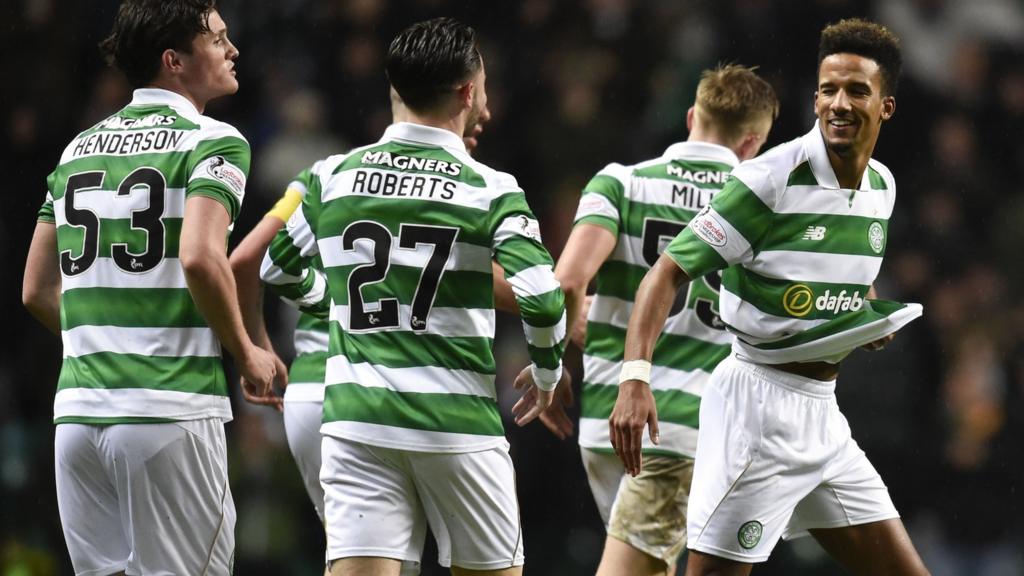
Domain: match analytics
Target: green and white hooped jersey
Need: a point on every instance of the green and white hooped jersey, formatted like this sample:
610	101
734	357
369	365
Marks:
799	253
646	205
406	229
306	372
136	348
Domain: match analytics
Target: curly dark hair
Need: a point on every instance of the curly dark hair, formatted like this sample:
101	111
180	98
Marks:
427	60
143	29
867	39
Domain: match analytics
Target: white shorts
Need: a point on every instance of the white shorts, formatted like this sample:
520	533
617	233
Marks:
302	428
648	511
147	499
774	459
379	502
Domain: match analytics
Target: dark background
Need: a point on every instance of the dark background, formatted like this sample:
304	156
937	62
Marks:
574	85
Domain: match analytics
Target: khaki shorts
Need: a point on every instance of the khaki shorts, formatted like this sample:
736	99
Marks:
647	512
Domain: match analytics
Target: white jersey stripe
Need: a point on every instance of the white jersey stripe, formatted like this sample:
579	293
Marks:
534	281
601	371
139	403
817	200
464	256
166	342
104	273
817	266
443	321
107	205
310	341
421	379
408	438
616	312
344	184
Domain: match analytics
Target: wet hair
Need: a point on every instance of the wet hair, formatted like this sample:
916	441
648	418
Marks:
733	99
429	59
143	29
867	39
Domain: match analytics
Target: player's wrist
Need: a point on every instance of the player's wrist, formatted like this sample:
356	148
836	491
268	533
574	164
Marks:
635	370
544	379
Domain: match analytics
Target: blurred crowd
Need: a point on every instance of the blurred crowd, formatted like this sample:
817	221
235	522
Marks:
574	85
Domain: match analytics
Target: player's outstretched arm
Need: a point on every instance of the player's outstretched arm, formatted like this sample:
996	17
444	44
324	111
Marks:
589	245
203	255
635	408
528	267
40	290
245	264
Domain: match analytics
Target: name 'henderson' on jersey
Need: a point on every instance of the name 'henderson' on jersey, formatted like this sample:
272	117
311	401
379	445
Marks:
406	230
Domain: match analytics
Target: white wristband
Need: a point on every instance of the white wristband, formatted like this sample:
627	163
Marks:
635	370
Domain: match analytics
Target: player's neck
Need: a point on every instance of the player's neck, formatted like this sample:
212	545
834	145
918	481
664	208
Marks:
849	168
454	124
176	86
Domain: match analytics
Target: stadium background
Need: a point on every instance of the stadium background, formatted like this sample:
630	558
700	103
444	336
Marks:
574	85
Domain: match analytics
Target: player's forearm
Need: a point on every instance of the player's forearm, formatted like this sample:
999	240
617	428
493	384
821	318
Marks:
504	296
40	289
653	301
245	264
212	285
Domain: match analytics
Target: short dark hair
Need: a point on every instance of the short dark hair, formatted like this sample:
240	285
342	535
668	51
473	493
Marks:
867	39
427	60
143	29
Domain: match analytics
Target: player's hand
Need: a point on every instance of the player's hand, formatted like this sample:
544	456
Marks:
579	327
259	369
876	345
555	418
634	409
534	400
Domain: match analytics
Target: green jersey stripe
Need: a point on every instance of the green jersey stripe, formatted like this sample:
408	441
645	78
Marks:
439	412
192	374
679	352
674	406
135	308
408	349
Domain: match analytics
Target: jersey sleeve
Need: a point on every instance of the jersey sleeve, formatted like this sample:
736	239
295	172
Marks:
289	266
293	195
729	229
602	198
219	167
46	213
517	247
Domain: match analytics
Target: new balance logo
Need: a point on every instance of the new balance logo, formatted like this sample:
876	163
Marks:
815	233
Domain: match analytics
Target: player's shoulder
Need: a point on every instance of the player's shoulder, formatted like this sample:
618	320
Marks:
768	173
493	180
880	176
213	129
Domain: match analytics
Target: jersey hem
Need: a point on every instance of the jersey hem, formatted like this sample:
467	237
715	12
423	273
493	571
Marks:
496	441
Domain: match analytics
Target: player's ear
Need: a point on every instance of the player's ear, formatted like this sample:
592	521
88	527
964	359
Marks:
171	61
888	107
689	119
465	94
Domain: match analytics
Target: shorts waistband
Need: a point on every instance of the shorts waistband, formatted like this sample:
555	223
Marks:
796	383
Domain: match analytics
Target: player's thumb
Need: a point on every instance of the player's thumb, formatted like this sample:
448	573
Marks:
652	426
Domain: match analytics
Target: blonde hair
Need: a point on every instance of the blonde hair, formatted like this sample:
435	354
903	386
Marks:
732	100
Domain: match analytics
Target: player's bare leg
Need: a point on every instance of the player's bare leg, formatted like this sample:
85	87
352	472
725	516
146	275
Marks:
513	571
701	564
875	548
366	566
621	559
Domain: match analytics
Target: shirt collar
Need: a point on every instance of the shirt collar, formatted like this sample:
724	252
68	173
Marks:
692	150
814	146
150	96
420	134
